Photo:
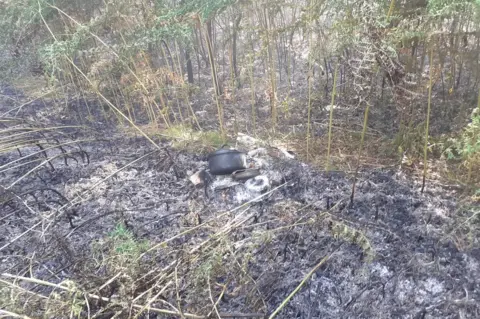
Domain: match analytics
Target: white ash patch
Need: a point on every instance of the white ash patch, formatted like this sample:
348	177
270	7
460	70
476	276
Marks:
242	195
93	184
258	152
471	264
223	182
275	177
260	163
441	212
405	289
381	270
433	286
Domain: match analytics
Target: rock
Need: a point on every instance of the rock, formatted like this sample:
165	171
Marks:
198	178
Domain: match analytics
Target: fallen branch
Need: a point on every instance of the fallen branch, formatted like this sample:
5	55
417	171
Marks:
140	307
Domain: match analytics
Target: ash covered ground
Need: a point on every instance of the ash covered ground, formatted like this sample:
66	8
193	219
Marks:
390	255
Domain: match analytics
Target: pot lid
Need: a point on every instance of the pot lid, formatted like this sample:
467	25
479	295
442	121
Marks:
223	150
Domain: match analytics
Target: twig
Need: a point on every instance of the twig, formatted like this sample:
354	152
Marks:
294	292
46	149
14	315
109	281
249	277
72	203
165	242
92	296
48	160
178	294
242	315
215	303
164	288
152	309
88	221
23	289
28	230
151	300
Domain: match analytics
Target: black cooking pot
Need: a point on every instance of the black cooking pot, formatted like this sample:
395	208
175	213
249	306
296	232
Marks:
225	161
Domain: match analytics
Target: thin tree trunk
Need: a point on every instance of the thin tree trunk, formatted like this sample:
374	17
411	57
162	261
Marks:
202	51
199	66
210	34
477	59
212	63
234	44
189	66
326	76
169	56
272	70
460	67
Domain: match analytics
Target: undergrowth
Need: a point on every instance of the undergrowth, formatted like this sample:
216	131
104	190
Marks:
466	149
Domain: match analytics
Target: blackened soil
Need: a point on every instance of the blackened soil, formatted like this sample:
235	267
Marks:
390	254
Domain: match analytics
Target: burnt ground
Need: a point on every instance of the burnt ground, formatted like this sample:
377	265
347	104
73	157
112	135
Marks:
394	253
